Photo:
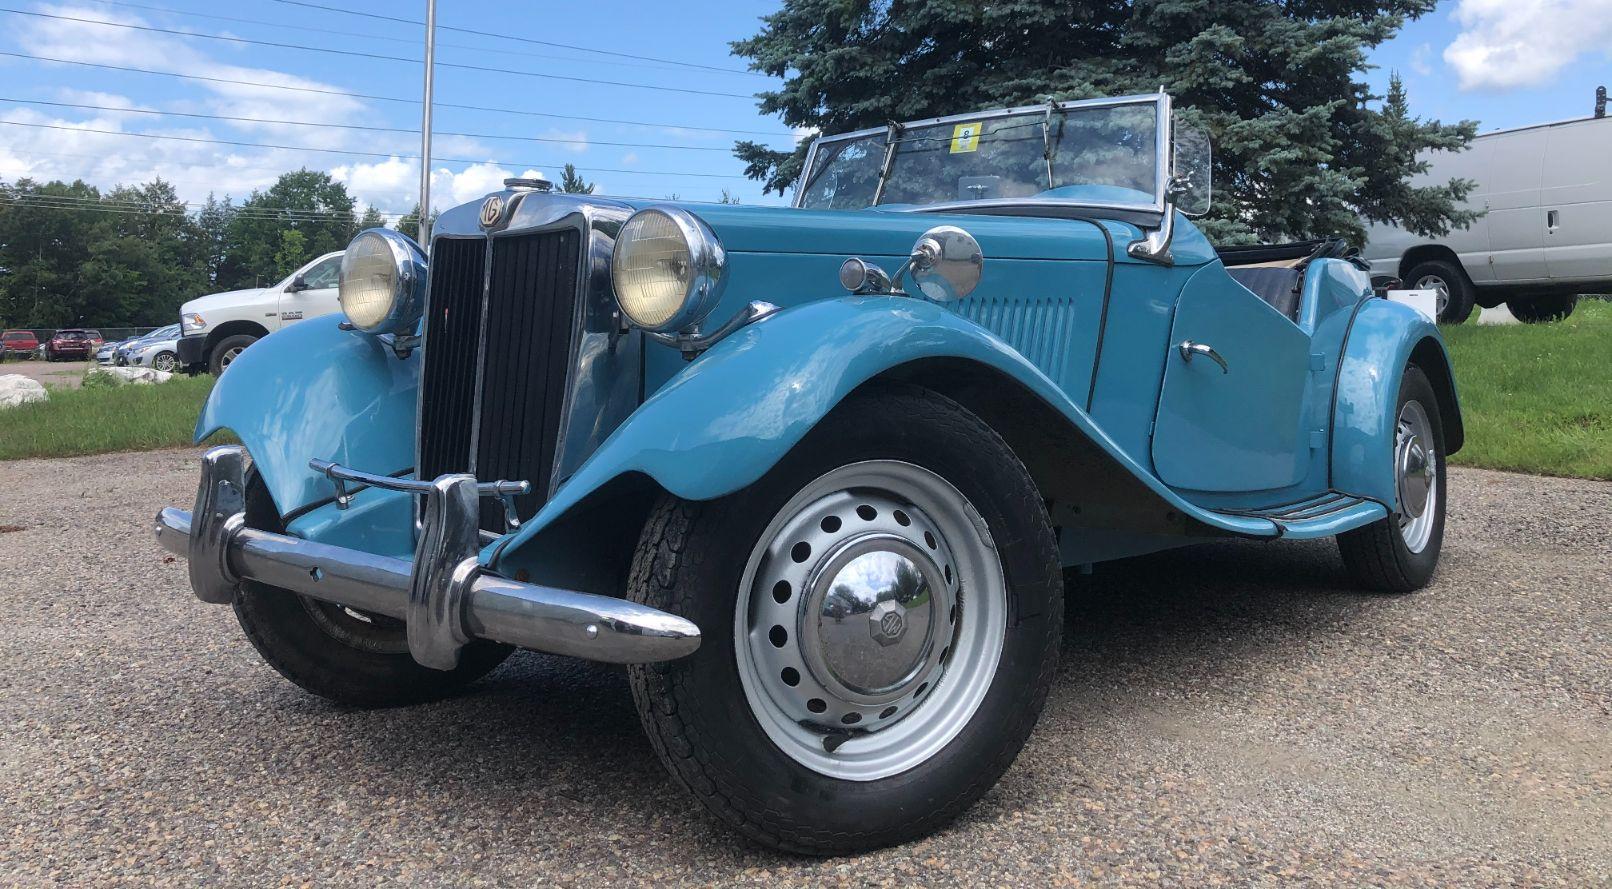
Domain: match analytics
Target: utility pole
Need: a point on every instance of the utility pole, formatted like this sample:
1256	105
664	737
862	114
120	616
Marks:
425	124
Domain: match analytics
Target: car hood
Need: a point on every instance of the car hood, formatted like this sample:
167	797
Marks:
224	300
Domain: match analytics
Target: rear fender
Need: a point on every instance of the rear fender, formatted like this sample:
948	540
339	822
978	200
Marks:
315	390
1384	338
727	418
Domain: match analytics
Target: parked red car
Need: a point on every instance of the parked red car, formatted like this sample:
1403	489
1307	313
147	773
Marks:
20	342
73	345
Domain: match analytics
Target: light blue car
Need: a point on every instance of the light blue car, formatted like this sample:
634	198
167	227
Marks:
814	472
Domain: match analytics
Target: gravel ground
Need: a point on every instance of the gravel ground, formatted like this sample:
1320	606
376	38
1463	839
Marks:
1228	715
67	374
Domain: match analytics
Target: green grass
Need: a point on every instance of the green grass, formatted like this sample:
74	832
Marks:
100	419
1538	397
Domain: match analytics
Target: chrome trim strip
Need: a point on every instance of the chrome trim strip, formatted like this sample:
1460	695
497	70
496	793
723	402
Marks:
446	599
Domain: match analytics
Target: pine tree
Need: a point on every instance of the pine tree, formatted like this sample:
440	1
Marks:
372	218
1302	146
573	183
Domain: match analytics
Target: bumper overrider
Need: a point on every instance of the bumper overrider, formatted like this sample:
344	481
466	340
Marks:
444	596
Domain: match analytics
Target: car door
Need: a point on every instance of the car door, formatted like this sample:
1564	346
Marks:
1509	189
1576	194
1237	427
319	294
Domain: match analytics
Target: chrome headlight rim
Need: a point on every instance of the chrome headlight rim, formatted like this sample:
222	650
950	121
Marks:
408	282
707	263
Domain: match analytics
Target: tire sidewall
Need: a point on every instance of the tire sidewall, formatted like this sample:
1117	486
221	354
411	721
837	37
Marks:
1461	297
707	685
215	360
1419	566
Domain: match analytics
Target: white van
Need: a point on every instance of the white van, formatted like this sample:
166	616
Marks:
1546	235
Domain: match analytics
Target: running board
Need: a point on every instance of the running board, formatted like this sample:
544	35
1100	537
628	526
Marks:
1320	516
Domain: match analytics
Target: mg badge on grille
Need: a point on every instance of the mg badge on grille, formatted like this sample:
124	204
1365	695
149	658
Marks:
492	210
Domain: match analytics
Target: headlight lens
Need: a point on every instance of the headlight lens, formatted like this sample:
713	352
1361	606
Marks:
193	321
667	269
382	282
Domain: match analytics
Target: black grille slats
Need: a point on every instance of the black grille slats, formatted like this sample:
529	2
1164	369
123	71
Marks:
531	300
453	332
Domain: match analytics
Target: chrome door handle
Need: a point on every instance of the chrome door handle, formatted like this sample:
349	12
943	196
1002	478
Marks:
1189	348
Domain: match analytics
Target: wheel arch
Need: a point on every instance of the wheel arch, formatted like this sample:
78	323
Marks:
237	327
1426	252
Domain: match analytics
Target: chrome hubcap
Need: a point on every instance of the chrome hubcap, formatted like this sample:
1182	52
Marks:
1415	475
872	620
229	357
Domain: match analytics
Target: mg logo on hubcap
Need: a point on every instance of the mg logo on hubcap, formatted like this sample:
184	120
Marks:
887	622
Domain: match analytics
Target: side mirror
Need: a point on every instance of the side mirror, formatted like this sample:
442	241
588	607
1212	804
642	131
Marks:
298	284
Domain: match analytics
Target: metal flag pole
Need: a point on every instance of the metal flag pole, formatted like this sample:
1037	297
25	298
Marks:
425	124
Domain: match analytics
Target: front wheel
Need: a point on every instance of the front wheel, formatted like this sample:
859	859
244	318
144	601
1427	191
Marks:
226	351
1542	309
1449	282
167	362
882	614
1398	554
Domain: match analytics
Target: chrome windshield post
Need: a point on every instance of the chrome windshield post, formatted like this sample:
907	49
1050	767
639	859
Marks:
891	137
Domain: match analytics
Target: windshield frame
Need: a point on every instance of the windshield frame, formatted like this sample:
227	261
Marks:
1160	101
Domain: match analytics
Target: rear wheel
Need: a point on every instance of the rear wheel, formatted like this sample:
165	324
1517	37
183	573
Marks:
882	614
226	350
1399	554
167	362
1542	309
1455	292
339	653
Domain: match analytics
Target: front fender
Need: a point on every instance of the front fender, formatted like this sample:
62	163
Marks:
731	415
315	390
1384	338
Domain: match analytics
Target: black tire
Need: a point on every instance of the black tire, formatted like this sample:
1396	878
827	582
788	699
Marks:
1542	309
331	653
690	561
1377	554
1458	307
225	350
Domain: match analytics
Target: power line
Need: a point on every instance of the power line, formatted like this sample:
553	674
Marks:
531	40
351	95
450	160
410	41
172	212
348	126
255	211
353	53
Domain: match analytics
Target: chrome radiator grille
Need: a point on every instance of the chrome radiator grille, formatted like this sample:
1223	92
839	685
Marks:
507	425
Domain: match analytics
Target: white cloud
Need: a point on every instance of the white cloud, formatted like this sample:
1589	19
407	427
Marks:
575	141
1515	43
1419	60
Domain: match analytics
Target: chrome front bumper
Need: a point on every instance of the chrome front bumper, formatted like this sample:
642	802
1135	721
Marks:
444	596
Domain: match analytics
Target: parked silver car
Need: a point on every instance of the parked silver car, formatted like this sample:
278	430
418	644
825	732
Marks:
157	350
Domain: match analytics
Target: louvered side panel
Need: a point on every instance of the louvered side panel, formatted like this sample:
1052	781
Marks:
1042	330
452	339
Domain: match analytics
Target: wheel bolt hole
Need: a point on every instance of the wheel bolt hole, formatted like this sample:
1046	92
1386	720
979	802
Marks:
778	636
951	618
830	524
801	551
929	539
867	512
851	718
921	689
948	574
816	705
790	676
902	518
781	592
887	712
943	652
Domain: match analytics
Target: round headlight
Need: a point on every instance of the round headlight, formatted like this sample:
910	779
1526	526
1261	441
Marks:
667	269
383	282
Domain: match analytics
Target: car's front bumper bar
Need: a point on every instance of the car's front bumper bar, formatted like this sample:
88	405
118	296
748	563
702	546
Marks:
444	597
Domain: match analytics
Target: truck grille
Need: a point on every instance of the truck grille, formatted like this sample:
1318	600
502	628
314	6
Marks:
523	360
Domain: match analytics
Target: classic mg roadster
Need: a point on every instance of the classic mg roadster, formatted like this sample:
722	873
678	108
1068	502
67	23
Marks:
814	473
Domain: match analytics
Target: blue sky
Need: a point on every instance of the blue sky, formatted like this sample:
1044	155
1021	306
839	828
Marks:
1502	62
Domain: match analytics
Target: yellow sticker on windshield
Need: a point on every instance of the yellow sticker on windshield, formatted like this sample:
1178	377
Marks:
965	137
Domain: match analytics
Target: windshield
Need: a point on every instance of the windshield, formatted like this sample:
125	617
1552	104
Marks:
1104	155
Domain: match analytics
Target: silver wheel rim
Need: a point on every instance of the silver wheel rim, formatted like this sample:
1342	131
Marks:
163	362
1416	476
229	356
836	682
1436	284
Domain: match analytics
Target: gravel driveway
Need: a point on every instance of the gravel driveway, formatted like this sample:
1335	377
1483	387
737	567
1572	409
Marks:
1228	715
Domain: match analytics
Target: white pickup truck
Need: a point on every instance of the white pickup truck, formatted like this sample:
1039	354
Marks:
218	327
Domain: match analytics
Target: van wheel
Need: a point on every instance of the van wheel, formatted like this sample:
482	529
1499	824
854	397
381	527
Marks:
1455	292
882	613
226	351
348	656
1542	309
